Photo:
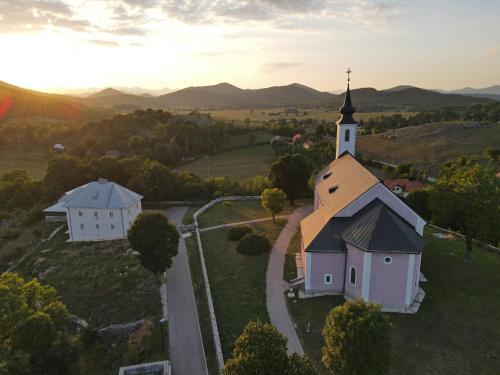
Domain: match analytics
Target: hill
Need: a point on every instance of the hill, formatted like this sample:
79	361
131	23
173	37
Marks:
17	102
404	98
491	92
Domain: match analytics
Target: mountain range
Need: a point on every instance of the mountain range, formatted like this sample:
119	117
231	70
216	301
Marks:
25	102
492	92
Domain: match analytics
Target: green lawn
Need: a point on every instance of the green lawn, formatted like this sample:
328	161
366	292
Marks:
237	164
236	212
29	160
456	330
238	282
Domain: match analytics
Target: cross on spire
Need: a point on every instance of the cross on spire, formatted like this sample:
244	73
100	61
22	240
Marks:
349	71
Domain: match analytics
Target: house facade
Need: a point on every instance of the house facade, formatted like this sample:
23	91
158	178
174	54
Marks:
403	186
361	241
98	211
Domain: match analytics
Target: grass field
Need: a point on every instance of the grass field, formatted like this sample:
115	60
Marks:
236	212
429	145
456	330
28	160
257	115
237	282
237	164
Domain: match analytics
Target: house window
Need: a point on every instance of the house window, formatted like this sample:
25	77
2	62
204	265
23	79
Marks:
328	278
82	226
95	214
80	213
347	135
110	214
352	276
112	226
97	226
387	260
128	210
94	197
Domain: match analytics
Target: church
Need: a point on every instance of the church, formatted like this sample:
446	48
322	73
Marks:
361	240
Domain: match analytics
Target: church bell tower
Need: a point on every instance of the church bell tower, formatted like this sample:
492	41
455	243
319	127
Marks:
346	125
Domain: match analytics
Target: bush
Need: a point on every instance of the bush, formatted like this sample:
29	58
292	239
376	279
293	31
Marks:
253	244
227	204
235	233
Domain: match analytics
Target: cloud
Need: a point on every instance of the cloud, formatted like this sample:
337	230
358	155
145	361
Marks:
104	43
34	15
494	51
280	13
278	66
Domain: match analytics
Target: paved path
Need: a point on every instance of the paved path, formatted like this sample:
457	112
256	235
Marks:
276	286
186	347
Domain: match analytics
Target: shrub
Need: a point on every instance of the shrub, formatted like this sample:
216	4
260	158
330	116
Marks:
253	244
227	204
235	233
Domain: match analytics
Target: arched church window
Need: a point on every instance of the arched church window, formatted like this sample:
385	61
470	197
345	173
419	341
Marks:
347	135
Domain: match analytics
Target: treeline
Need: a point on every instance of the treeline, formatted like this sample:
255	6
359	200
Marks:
153	134
479	112
150	178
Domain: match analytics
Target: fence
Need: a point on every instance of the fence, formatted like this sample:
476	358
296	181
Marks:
213	320
479	243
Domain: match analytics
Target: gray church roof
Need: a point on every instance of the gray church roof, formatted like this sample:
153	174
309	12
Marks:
100	194
374	228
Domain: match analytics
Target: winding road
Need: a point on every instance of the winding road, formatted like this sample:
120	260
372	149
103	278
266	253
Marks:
187	356
276	286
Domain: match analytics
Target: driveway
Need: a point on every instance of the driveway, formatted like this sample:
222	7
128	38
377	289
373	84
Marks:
186	347
276	286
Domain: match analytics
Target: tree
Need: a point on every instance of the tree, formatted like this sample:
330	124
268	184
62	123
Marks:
466	197
34	333
156	240
419	202
273	200
261	349
357	340
290	173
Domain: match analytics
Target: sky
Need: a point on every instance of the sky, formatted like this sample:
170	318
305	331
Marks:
53	45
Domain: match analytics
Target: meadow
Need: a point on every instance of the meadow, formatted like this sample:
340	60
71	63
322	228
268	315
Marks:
237	164
257	115
31	161
430	145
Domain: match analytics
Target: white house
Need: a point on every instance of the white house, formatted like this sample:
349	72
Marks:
98	211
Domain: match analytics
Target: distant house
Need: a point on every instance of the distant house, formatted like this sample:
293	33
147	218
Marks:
403	187
361	241
58	147
297	138
98	211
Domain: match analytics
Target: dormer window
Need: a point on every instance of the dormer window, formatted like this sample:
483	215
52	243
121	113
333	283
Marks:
325	176
333	189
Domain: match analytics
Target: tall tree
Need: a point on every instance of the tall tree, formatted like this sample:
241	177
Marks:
156	240
466	197
34	335
291	173
273	200
357	340
261	349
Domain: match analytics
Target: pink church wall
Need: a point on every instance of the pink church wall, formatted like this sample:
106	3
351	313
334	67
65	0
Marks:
354	258
327	263
388	281
416	275
386	196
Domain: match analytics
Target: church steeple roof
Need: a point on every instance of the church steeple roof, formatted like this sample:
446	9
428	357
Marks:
347	110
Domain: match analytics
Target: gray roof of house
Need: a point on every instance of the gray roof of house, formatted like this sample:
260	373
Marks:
376	227
100	194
